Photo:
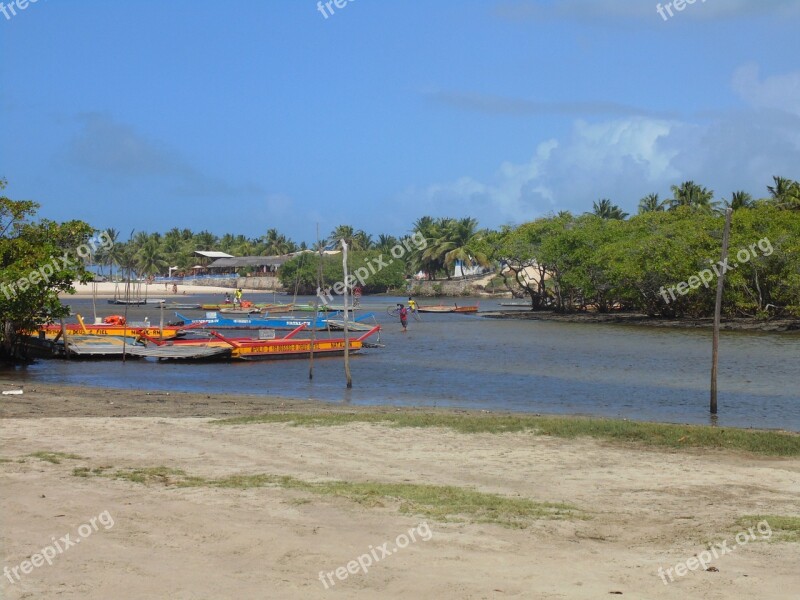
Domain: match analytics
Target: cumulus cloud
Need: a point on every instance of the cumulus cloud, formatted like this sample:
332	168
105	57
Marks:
780	92
628	157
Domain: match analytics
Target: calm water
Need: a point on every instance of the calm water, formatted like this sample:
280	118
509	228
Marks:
529	366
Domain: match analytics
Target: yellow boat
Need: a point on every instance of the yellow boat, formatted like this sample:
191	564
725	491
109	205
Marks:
109	329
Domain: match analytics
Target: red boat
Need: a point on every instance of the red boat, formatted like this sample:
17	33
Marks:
287	346
441	308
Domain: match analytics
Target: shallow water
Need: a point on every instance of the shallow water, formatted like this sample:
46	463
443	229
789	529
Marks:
466	361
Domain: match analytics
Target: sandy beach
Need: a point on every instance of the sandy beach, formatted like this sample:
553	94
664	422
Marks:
640	509
108	289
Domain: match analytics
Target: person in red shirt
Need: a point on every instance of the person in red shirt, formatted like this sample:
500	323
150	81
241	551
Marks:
403	316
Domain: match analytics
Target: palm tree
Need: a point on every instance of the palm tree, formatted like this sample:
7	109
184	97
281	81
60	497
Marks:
356	240
650	203
740	199
692	195
205	240
605	209
785	193
111	255
149	259
385	243
362	240
450	240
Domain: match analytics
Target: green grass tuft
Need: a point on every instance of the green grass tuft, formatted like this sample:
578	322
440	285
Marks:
784	528
442	503
662	435
54	457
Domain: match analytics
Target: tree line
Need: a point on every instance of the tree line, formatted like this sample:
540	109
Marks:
601	260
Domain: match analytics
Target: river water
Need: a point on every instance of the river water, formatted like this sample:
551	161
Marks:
465	361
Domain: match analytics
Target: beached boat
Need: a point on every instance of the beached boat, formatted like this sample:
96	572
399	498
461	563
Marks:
218	321
441	308
239	311
137	302
179	306
287	346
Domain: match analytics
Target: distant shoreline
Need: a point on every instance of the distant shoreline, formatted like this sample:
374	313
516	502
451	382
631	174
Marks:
776	325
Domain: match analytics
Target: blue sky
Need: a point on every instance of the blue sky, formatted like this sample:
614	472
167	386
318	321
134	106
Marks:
240	116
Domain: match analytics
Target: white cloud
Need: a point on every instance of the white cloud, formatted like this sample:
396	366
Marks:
626	158
780	92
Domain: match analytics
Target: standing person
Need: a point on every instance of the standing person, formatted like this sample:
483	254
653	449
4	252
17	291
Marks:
237	297
412	304
403	317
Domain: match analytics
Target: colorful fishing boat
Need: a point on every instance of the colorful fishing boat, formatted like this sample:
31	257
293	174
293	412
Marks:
116	328
288	346
441	308
216	320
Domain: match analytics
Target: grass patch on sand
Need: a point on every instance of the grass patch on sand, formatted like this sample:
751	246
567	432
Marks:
784	528
663	435
441	503
5	460
54	457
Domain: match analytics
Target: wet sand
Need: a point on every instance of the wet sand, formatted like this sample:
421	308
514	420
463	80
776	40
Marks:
646	508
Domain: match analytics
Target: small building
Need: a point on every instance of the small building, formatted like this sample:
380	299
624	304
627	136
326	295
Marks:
264	266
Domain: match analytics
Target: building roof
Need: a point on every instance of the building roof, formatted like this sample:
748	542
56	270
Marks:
212	254
248	261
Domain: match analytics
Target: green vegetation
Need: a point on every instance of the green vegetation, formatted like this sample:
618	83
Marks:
301	272
443	503
604	263
767	443
54	457
37	261
784	529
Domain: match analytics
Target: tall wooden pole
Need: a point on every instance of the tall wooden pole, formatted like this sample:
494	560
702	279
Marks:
718	311
316	308
346	336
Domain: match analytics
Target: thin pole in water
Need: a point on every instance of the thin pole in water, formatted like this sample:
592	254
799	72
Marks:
346	337
718	311
316	309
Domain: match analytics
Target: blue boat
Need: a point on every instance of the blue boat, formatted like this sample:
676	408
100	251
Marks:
217	321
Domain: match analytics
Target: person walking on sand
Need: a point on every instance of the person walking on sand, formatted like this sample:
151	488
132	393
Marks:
403	317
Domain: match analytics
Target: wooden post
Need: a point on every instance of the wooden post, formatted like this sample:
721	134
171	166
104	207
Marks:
316	308
718	311
64	336
161	320
346	336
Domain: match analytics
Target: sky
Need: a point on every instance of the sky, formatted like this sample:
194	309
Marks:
245	115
